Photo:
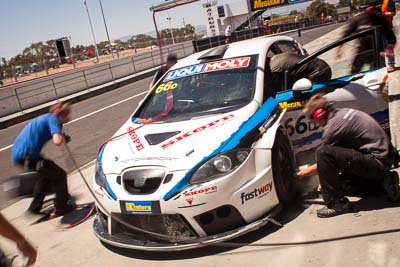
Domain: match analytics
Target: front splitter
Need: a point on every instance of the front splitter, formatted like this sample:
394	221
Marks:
130	243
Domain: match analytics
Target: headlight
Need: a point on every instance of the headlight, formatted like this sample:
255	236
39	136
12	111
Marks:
219	165
100	177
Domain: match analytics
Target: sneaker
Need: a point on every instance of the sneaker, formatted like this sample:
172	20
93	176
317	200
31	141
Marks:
391	186
337	208
391	68
60	212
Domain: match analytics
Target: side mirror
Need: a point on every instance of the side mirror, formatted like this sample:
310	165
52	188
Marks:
302	85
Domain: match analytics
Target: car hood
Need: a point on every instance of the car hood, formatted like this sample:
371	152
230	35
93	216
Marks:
174	145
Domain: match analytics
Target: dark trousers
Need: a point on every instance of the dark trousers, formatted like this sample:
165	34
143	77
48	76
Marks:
363	57
337	164
52	178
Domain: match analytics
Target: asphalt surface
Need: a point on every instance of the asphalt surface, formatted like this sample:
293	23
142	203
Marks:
90	132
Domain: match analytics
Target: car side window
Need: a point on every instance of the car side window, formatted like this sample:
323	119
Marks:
273	81
355	54
352	57
288	47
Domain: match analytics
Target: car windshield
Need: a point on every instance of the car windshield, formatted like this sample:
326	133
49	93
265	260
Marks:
202	89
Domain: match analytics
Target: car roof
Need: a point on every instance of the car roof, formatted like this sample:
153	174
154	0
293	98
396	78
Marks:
254	46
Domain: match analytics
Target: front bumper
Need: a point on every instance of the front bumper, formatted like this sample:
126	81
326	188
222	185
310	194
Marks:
132	242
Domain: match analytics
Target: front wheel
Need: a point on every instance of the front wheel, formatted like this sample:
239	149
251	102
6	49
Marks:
283	168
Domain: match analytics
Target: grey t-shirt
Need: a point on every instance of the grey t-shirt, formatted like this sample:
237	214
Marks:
355	129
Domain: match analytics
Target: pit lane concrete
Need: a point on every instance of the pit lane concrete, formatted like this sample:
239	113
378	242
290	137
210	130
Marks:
79	246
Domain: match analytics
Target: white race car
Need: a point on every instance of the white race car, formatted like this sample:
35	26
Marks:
210	153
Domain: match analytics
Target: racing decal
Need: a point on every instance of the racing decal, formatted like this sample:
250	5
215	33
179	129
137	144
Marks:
206	190
292	105
264	4
140	207
306	140
191	206
256	193
197	130
165	87
149	159
99	194
189	200
232	63
300	126
135	139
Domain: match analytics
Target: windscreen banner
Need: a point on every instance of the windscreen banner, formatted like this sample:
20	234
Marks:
265	4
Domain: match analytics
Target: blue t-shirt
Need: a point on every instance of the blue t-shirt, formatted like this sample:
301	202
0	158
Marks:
35	135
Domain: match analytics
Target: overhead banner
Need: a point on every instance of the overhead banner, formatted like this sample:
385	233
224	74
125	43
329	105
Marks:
264	4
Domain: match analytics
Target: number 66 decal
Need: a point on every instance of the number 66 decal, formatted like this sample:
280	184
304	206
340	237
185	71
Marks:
300	126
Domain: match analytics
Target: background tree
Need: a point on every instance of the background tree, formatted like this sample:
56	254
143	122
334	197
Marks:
317	7
143	40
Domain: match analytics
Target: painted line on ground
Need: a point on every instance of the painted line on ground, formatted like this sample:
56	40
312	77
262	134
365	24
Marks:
91	113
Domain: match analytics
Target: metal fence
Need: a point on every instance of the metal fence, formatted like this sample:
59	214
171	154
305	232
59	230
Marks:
19	97
270	28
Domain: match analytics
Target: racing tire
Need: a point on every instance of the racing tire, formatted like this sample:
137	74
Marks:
283	168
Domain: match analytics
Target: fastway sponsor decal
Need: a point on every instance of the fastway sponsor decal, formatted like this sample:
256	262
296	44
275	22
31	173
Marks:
256	193
232	63
135	139
201	191
197	130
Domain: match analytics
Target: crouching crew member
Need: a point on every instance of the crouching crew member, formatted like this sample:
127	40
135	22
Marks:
354	146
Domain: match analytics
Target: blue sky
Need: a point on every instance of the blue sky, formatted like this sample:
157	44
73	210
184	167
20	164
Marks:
23	22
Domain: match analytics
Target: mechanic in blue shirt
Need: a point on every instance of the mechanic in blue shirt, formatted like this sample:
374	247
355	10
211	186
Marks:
26	153
353	146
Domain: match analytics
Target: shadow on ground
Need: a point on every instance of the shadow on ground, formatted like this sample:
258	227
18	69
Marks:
287	215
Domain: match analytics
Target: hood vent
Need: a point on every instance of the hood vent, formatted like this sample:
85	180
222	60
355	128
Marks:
215	53
155	139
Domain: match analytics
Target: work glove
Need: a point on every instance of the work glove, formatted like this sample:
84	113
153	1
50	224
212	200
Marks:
67	138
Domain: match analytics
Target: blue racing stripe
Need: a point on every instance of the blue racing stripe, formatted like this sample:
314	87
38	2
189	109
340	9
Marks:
108	188
261	114
229	144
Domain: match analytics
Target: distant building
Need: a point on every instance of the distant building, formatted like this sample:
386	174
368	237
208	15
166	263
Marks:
344	13
219	17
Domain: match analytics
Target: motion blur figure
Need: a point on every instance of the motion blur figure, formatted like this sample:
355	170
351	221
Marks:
372	16
26	153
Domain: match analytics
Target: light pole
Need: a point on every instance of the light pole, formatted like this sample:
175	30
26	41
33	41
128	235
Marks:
105	25
91	27
170	27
